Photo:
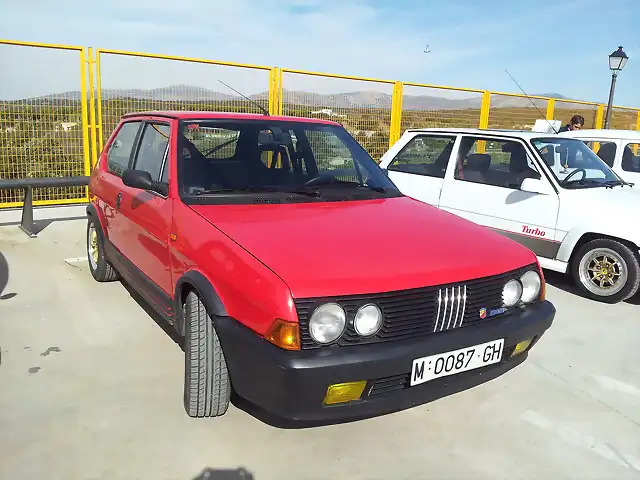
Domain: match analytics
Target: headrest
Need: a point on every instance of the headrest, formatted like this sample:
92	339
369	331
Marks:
265	137
511	147
479	162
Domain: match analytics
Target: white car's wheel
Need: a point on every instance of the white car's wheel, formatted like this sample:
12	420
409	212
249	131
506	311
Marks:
606	270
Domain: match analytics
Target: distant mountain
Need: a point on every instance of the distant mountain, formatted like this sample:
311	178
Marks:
357	99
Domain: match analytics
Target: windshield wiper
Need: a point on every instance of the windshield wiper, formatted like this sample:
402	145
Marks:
615	183
309	193
334	181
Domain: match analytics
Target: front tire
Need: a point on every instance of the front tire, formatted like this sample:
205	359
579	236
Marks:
207	389
606	270
101	269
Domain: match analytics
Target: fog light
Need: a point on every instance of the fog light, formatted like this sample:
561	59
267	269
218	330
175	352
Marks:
521	347
344	392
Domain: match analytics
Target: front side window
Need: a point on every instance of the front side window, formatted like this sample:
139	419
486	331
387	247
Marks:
499	163
232	160
605	150
575	165
631	158
153	149
120	149
424	155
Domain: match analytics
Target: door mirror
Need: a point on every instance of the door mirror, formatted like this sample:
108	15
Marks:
137	179
535	185
142	179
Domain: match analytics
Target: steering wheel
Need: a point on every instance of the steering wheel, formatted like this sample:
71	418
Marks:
582	170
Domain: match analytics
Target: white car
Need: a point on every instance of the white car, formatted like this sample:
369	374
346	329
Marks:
620	149
548	192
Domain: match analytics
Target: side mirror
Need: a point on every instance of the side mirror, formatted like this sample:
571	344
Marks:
142	180
535	185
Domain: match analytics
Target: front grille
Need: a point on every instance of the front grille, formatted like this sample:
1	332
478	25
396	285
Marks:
416	312
395	383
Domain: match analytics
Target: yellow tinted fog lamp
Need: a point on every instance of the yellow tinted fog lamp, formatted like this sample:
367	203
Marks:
521	347
344	392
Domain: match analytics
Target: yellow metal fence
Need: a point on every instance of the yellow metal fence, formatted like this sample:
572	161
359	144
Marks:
60	130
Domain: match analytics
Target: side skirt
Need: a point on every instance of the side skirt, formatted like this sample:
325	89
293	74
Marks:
147	288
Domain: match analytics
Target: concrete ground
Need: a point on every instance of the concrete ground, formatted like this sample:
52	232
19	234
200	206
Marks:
91	388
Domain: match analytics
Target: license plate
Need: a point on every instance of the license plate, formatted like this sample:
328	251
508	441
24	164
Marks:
456	361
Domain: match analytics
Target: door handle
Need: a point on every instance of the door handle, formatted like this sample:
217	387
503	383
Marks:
118	200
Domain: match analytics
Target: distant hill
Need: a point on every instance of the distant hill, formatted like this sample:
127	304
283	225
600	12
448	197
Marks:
357	99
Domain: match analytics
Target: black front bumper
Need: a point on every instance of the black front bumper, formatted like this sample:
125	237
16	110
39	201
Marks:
292	385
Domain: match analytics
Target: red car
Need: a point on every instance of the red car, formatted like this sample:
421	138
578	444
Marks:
297	274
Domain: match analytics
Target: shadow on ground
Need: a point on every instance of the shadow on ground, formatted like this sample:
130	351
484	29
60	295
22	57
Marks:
227	474
40	225
565	282
4	278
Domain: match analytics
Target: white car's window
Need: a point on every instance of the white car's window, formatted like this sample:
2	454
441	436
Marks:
424	155
631	158
605	150
575	165
499	163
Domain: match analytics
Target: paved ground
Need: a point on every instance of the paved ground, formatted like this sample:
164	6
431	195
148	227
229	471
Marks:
91	388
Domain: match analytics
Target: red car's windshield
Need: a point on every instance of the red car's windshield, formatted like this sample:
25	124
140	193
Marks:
222	157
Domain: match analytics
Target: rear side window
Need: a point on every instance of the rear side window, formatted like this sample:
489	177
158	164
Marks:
631	158
153	149
120	149
424	155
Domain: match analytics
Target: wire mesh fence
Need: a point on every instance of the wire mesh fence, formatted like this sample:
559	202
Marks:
42	124
425	106
47	125
623	118
362	106
515	112
158	82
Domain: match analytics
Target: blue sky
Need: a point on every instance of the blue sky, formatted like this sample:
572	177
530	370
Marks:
548	46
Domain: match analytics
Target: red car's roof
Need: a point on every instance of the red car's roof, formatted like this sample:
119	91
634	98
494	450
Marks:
225	115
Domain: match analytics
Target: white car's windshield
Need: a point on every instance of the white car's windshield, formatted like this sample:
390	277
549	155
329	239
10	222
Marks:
574	164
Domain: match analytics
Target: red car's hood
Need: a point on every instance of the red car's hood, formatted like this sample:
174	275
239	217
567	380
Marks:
341	248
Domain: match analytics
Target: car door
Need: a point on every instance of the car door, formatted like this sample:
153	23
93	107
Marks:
147	214
418	169
108	186
484	187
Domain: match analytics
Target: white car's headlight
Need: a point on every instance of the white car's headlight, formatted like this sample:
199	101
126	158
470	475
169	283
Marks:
511	293
368	320
327	323
531	284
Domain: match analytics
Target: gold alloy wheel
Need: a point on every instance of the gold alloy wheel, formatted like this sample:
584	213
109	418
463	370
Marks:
603	271
93	248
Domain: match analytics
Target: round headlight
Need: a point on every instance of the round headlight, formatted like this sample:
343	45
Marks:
327	323
368	320
511	293
530	286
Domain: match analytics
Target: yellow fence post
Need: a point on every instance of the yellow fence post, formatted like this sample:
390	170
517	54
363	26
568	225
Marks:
92	110
551	106
274	91
484	118
99	100
396	113
83	107
599	116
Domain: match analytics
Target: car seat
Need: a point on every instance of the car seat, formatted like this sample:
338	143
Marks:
478	165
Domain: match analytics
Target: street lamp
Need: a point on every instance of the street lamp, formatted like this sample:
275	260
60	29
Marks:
617	61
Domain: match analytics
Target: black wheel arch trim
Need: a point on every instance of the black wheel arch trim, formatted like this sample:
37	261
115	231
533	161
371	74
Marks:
207	292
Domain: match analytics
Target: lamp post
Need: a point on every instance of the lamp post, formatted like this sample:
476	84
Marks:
617	61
